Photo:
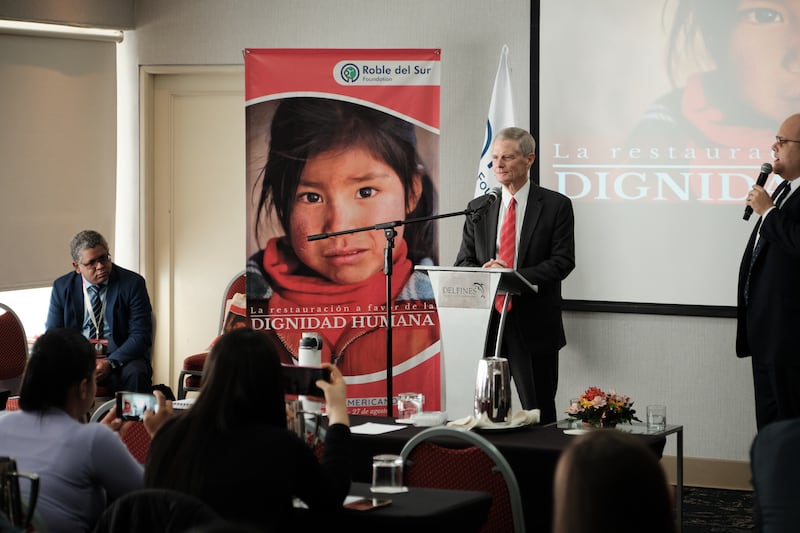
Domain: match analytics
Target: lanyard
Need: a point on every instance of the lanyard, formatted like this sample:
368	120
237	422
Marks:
87	302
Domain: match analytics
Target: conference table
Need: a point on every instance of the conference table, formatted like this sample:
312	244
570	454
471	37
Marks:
532	451
419	509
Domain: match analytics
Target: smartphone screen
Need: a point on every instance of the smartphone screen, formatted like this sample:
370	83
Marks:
300	380
132	405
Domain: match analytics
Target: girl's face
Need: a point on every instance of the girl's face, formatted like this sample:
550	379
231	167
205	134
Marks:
345	189
765	55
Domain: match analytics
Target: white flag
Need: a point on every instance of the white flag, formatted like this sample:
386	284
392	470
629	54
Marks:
501	115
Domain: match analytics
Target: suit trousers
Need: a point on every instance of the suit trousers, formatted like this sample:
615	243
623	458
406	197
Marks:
534	372
134	376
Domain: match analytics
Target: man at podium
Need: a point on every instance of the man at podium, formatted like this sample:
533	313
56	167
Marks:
532	231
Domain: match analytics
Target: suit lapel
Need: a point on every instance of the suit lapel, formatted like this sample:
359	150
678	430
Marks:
77	300
532	213
492	213
112	294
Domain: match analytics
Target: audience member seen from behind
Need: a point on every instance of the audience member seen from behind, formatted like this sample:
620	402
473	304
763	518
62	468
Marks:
81	466
609	481
119	325
235	437
775	470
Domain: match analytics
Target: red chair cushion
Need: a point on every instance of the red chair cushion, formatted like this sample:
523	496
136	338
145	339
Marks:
195	362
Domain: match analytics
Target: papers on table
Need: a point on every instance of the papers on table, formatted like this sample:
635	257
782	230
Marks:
372	428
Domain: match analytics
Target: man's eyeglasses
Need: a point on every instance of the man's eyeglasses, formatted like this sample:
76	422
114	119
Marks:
782	140
102	260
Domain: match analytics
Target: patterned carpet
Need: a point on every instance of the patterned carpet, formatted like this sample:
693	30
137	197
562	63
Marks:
717	511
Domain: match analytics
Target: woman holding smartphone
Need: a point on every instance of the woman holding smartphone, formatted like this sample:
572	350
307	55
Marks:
81	466
235	437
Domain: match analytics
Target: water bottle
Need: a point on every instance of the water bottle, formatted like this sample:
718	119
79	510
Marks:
310	354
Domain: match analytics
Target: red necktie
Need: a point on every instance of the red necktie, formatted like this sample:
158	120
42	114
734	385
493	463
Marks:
505	253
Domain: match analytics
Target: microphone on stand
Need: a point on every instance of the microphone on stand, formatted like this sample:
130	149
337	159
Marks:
489	198
766	170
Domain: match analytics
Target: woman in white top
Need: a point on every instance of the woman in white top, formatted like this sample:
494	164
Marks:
82	467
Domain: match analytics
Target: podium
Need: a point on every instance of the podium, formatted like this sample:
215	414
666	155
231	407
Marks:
464	300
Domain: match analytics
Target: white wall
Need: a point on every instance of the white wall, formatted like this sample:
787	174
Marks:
686	363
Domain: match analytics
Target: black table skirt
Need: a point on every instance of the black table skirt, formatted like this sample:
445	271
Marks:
532	452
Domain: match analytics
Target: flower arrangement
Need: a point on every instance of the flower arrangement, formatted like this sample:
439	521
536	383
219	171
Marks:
598	408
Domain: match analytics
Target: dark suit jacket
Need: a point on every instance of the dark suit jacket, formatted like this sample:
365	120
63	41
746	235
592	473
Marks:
128	312
546	255
766	326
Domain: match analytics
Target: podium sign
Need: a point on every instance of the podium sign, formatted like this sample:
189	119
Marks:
464	300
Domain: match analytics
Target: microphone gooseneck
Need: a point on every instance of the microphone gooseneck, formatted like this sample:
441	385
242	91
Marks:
489	198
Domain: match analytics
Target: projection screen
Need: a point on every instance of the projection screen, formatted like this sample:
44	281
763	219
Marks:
655	119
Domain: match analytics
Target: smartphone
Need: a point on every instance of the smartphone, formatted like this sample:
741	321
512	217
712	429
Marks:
132	405
300	380
365	504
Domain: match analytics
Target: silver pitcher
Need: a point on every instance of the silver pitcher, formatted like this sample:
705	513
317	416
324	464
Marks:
493	389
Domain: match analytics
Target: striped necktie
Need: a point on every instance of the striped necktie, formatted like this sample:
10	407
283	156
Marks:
508	238
97	311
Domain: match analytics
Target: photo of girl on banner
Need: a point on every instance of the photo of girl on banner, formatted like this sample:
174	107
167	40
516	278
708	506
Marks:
333	165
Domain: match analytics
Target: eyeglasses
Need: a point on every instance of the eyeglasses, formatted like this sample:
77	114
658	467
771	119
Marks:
102	260
781	140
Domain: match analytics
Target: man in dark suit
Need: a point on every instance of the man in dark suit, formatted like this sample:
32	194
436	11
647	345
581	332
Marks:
544	254
768	310
111	307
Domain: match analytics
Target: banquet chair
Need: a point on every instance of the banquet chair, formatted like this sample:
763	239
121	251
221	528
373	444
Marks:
437	458
162	510
12	404
13	350
192	372
135	436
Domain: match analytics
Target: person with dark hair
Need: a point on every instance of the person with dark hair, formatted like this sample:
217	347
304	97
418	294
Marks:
110	306
541	236
608	481
774	470
81	466
335	166
235	437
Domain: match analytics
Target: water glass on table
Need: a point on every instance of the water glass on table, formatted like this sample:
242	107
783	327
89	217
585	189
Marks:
409	404
656	418
387	474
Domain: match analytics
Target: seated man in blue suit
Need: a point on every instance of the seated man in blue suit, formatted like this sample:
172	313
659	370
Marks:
111	307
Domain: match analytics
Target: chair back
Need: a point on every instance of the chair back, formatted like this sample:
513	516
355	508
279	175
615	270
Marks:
12	404
432	459
192	372
13	350
163	510
237	285
18	513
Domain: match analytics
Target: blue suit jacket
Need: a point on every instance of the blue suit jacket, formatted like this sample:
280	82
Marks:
128	312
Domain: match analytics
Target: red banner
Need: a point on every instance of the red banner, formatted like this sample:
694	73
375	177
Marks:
342	146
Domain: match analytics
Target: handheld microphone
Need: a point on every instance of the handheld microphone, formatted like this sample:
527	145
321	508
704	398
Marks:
489	198
766	170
